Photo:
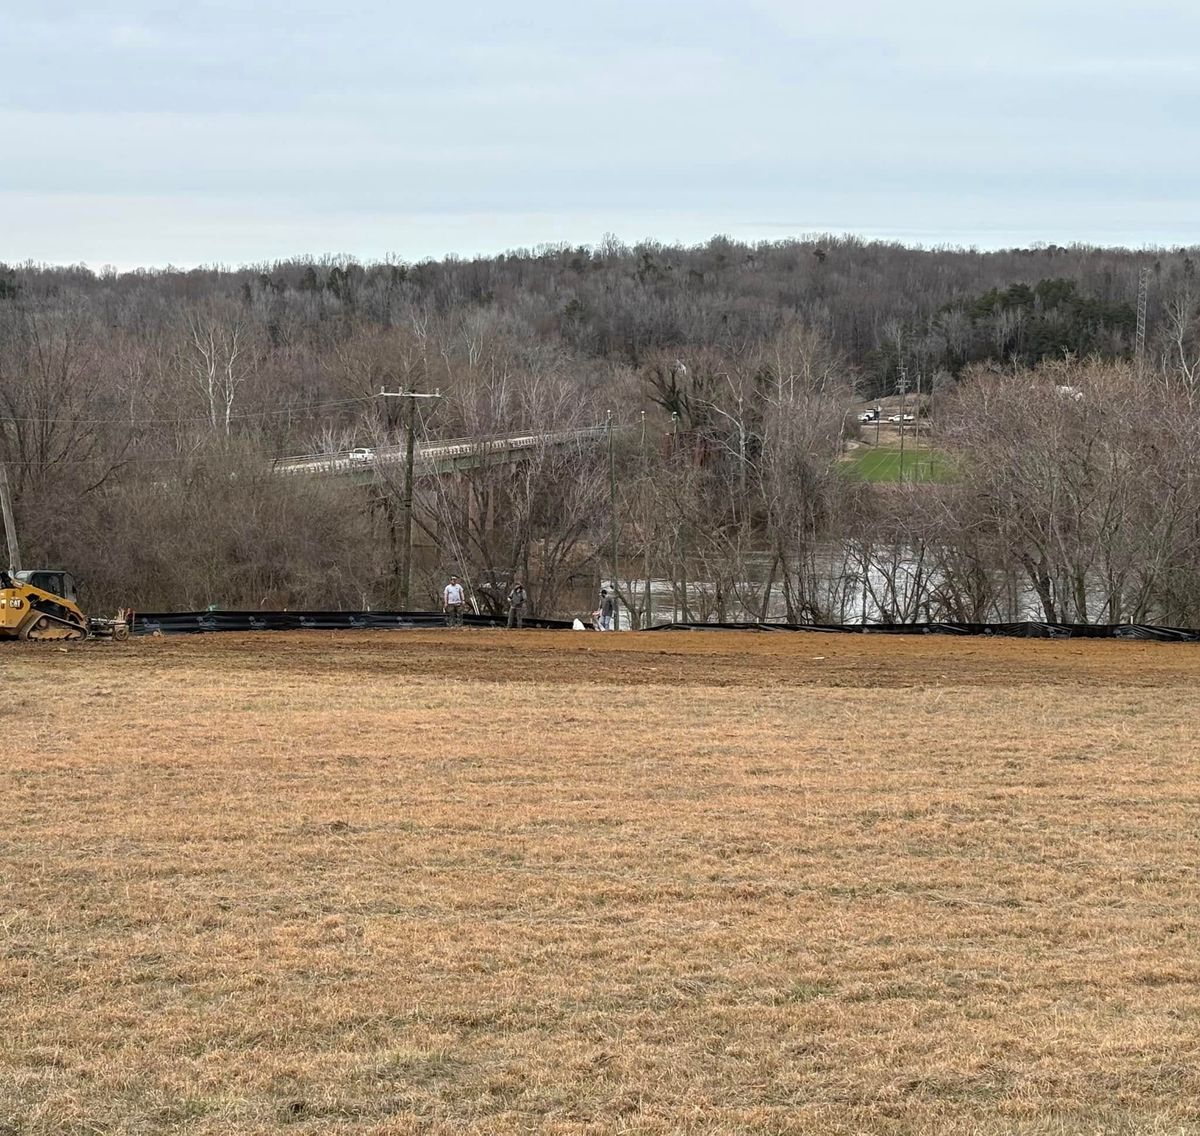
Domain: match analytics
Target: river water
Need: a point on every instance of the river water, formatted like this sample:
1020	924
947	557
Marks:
845	586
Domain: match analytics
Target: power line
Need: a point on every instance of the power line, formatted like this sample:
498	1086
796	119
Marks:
200	454
183	421
117	463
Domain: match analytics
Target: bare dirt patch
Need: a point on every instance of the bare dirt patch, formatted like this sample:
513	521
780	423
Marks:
476	882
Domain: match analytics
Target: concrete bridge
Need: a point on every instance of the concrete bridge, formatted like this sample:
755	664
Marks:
436	457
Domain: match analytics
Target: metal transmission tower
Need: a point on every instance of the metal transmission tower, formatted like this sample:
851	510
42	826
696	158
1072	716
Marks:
1139	351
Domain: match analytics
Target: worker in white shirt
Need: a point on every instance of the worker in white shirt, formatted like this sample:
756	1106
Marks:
453	601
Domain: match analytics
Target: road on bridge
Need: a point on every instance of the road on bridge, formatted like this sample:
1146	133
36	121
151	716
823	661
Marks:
435	457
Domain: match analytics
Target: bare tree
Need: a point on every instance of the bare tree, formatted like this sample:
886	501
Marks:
214	359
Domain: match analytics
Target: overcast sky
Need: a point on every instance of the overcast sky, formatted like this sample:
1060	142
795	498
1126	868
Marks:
147	133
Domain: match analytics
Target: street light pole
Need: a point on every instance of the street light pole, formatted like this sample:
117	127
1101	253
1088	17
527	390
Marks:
410	449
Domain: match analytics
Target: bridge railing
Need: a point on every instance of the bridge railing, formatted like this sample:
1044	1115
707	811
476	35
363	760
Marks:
345	460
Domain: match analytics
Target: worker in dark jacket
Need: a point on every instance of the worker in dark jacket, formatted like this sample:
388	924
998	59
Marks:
606	611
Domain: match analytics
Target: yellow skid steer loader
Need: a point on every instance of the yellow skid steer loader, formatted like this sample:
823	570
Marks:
42	605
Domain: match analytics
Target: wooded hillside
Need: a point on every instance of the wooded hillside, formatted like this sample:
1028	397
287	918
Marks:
140	413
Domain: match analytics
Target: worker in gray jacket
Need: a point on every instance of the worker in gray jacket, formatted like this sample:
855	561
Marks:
517	599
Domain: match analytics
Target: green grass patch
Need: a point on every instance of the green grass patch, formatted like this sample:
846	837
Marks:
885	465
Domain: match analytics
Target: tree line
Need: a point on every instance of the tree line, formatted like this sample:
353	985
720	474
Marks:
141	414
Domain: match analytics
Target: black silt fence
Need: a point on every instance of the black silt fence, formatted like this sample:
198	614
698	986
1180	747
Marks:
1023	630
192	622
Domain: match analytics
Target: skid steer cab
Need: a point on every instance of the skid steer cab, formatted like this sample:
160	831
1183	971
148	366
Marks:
43	604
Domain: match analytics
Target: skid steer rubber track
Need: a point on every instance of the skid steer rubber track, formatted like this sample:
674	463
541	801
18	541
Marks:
43	626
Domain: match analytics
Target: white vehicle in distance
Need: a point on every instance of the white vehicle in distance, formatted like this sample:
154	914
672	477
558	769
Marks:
903	418
868	416
362	454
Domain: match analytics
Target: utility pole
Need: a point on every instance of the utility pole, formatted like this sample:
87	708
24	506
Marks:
903	385
917	431
648	602
683	580
10	525
410	448
612	523
917	414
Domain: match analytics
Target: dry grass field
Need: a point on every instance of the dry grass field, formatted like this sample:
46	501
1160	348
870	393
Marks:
550	882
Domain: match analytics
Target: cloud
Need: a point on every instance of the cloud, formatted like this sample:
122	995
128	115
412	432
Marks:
136	37
582	118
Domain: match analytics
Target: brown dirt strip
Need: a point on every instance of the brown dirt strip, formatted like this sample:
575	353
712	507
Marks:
718	658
